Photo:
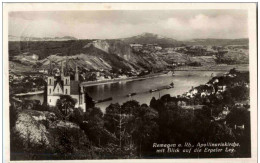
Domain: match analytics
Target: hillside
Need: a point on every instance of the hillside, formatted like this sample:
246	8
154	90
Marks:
23	38
150	38
143	52
217	42
234	57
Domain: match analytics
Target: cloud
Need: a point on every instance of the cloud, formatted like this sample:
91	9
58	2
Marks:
186	24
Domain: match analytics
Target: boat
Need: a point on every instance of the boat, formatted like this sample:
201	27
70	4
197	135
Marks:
171	85
153	90
131	94
173	74
104	100
170	73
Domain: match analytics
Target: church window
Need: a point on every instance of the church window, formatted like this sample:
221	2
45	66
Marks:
50	91
80	99
49	81
66	91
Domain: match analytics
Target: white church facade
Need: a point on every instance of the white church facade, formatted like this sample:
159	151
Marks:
63	85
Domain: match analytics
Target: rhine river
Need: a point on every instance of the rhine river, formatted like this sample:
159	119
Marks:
183	82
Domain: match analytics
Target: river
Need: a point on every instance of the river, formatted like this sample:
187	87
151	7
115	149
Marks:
183	82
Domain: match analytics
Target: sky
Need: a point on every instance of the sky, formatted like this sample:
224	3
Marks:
177	24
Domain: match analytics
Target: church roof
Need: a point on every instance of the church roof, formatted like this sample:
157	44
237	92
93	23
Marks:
74	87
58	81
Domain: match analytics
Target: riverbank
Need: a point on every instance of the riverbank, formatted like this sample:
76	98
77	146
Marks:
29	93
110	81
218	67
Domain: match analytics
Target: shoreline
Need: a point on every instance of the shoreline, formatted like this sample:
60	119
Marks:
219	67
110	81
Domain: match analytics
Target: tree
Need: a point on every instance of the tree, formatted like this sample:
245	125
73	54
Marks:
130	107
89	101
66	104
77	116
146	129
240	93
93	125
111	114
153	102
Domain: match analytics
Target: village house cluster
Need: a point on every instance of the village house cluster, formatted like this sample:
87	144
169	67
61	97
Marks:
216	87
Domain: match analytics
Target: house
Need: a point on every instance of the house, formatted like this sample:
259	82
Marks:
63	85
181	103
232	75
158	48
203	94
222	88
215	81
188	94
44	71
242	127
225	111
194	91
136	47
222	115
193	107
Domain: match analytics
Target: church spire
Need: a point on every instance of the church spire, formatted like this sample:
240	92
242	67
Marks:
77	74
50	69
66	68
62	70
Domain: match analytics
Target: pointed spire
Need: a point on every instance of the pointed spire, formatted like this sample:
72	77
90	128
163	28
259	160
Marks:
50	70
62	67
61	71
66	68
77	74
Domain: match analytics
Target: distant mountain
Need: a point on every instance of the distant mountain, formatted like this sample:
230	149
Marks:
217	42
115	53
150	38
23	38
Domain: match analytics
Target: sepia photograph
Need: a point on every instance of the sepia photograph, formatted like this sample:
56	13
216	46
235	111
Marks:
130	81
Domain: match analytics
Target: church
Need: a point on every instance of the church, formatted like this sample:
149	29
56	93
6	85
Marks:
61	84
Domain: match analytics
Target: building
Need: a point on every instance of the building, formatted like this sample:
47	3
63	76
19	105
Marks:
136	47
222	88
63	85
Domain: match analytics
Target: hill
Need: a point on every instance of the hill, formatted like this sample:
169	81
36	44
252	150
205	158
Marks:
88	54
24	38
150	38
217	42
154	52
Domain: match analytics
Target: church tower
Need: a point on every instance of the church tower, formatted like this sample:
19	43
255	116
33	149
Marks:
62	71
77	74
66	80
66	83
50	88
